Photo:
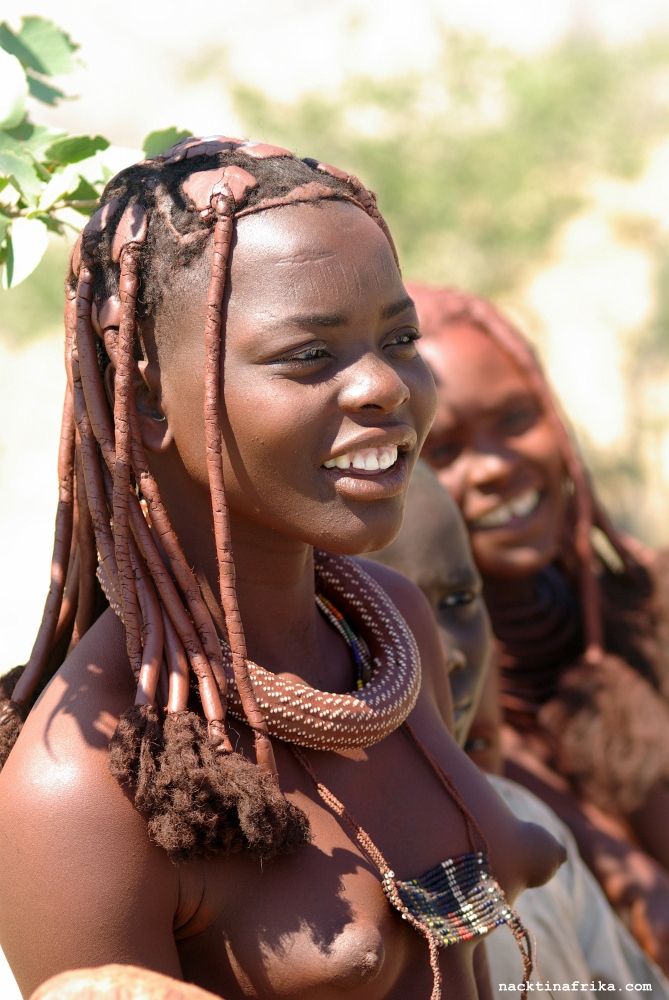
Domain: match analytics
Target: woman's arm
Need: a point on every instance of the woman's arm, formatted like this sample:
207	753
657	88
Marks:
651	822
634	883
118	982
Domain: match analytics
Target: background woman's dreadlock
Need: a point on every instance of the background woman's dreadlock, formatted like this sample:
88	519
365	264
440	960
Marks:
593	667
112	526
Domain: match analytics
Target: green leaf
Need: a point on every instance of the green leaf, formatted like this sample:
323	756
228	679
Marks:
85	198
10	42
62	183
26	244
74	148
43	91
4	226
160	140
68	187
10	144
7	263
34	138
42	46
10	195
20	171
53	224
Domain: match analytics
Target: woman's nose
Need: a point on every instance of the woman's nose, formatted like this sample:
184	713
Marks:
453	658
487	468
456	660
371	383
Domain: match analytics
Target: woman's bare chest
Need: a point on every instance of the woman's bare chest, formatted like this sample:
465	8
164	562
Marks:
318	924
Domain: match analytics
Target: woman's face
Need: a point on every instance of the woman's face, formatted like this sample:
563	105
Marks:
494	449
326	400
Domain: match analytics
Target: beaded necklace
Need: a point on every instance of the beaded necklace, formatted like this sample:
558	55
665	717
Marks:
389	668
358	647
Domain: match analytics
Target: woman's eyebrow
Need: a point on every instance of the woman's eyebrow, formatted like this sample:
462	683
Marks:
397	307
317	319
515	397
339	319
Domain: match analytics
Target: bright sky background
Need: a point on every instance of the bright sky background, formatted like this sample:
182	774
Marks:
139	56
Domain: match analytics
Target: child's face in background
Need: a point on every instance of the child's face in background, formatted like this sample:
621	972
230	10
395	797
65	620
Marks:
453	588
433	550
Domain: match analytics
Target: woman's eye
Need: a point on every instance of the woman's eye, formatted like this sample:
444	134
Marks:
307	355
519	419
478	744
406	339
458	598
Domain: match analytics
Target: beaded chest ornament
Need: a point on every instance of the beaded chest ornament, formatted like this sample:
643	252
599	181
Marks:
454	902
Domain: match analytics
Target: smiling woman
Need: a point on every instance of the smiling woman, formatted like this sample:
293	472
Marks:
581	613
236	323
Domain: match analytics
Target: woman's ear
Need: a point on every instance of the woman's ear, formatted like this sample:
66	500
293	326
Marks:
154	427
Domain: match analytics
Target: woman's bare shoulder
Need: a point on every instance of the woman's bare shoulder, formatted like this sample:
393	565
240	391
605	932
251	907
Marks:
70	726
75	855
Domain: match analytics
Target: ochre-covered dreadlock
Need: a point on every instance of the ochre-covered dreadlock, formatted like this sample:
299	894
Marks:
174	757
597	675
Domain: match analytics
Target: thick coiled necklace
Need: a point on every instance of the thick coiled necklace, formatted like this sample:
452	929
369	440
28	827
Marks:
320	720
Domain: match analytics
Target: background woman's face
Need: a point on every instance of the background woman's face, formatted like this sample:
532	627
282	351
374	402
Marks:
494	449
326	400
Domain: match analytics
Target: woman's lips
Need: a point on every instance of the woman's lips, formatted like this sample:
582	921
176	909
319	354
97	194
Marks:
367	460
387	478
508	514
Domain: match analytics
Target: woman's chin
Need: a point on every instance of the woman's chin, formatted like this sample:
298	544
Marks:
364	537
514	563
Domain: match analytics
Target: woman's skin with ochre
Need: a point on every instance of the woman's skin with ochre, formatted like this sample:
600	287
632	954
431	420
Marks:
500	446
320	363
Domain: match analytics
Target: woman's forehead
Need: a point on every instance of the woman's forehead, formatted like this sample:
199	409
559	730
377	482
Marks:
326	261
461	352
310	254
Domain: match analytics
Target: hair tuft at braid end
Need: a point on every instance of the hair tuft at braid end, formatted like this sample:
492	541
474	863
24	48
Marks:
11	714
196	800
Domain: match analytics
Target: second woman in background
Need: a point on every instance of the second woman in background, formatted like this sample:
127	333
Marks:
578	610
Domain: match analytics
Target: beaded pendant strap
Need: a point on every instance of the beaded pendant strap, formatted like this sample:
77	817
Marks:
458	899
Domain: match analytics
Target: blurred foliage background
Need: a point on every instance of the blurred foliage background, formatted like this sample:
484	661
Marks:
538	176
478	162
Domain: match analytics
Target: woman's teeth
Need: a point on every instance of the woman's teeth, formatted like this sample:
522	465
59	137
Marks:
521	506
365	460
